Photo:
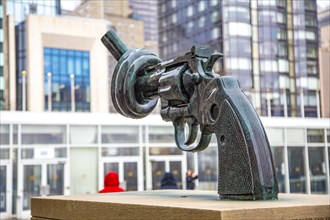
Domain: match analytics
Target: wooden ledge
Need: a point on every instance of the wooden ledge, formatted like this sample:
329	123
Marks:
178	204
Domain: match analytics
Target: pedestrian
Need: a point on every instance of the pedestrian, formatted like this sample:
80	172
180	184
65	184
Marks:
190	179
111	183
168	181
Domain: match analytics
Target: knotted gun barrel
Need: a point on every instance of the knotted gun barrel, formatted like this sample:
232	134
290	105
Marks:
191	94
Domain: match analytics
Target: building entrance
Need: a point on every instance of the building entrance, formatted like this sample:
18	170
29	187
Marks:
5	189
129	172
39	179
160	165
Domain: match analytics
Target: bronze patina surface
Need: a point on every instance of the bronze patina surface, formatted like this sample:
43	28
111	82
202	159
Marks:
191	94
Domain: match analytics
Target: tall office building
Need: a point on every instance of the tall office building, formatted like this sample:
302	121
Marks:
324	53
118	16
271	46
21	8
146	11
16	12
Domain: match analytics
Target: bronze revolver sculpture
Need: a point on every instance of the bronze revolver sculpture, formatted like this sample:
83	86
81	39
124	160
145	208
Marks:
192	95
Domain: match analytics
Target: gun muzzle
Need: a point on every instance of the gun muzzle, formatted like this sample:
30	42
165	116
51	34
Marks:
113	43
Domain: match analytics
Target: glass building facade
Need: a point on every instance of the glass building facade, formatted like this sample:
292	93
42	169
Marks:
20	8
146	11
47	150
61	64
270	46
2	79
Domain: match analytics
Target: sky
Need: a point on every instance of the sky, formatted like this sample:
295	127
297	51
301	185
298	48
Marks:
71	4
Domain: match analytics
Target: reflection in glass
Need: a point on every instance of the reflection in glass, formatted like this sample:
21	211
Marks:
297	170
61	63
55	179
164	151
43	134
27	153
130	176
120	134
315	136
317	169
161	134
111	167
32	183
328	135
278	156
207	168
120	151
175	168
60	152
158	170
4	134
4	153
3	189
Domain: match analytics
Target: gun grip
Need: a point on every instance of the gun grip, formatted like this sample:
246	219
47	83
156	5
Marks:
246	170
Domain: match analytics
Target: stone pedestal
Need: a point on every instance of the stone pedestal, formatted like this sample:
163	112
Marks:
178	204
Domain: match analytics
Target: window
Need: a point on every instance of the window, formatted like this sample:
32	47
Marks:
215	33
283	65
310	20
282	49
275	136
214	2
202	5
317	169
190	26
190	10
173	3
311	67
236	13
174	19
201	22
284	82
311	52
61	64
310	35
238	63
282	34
310	5
268	65
4	135
281	17
239	29
278	156
267	3
120	134
215	16
83	135
295	136
297	169
43	134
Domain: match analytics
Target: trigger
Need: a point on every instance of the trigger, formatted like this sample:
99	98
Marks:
193	129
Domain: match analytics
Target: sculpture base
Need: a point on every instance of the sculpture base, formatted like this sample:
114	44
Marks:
178	204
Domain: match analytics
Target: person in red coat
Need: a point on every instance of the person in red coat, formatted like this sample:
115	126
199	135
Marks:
111	183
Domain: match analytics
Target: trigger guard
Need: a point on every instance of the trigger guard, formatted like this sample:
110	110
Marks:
180	138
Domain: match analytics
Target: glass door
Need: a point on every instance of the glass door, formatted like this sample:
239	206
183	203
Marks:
158	170
55	179
127	173
3	189
39	179
31	184
159	166
176	169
